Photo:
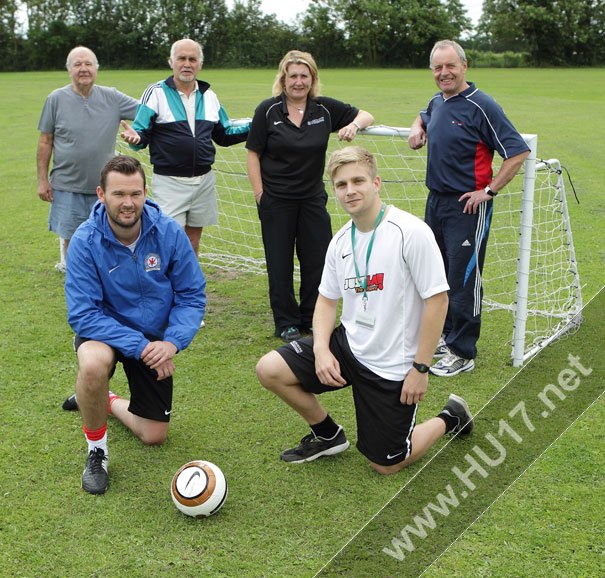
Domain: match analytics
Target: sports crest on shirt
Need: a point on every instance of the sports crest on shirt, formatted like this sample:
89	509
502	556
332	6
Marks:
152	262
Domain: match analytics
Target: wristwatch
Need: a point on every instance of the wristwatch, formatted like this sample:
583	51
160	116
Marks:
491	193
420	367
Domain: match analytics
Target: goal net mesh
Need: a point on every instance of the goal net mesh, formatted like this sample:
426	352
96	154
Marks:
553	296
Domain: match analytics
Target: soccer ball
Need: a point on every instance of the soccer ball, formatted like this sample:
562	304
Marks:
199	489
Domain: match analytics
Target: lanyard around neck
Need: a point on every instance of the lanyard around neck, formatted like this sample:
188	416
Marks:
364	282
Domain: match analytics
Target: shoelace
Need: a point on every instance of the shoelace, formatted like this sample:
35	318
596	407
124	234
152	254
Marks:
96	461
449	358
308	439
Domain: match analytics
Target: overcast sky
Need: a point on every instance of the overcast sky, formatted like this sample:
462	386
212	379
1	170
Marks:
286	10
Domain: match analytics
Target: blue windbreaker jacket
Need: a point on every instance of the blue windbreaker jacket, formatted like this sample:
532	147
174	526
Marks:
127	299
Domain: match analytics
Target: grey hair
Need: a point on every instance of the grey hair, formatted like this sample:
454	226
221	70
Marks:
447	44
68	61
198	45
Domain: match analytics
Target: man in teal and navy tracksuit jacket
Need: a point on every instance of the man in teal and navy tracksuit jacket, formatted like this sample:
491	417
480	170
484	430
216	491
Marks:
180	119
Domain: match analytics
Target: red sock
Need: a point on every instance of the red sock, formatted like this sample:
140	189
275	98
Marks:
95	435
96	438
112	398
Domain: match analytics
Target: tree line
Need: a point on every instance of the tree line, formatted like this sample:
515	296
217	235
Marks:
345	33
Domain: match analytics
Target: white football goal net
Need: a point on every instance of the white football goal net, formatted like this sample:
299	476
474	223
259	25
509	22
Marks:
530	273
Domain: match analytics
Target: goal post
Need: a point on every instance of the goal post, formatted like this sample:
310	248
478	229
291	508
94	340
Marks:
524	260
530	272
549	292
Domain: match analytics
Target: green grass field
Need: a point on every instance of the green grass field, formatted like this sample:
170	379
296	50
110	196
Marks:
279	520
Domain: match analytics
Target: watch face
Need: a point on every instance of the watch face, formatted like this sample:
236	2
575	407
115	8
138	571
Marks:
421	367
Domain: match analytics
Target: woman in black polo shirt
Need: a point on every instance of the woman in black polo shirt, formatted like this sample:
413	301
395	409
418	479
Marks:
286	156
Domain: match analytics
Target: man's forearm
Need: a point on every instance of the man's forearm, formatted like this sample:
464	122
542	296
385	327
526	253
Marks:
43	156
509	168
324	321
431	327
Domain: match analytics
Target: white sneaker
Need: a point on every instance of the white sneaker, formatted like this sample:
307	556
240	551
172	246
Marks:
451	365
442	349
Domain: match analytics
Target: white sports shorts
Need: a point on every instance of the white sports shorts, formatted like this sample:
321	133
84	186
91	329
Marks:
188	200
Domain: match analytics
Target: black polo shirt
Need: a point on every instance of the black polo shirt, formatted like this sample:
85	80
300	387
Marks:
292	159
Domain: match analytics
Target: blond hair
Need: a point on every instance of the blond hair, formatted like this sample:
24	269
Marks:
297	57
348	155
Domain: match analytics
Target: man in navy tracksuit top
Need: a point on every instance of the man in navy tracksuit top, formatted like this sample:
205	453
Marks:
135	294
463	127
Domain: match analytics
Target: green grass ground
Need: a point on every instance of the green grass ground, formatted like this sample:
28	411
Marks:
279	520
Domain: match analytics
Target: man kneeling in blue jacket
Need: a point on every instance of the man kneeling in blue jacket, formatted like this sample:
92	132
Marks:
135	294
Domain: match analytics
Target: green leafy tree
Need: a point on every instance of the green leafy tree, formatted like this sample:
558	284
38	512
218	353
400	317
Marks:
10	36
133	33
136	42
252	38
553	32
195	19
459	21
397	32
323	35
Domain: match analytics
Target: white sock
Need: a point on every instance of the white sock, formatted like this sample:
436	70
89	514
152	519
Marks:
102	444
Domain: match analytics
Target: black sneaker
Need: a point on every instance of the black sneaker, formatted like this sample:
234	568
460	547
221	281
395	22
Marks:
70	404
290	334
95	479
312	447
457	407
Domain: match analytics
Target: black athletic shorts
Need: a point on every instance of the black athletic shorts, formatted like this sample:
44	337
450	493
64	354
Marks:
149	398
384	424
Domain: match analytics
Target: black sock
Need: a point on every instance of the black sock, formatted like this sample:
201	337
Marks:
326	429
451	421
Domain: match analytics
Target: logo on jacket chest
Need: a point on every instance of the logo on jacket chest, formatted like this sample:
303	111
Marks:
152	262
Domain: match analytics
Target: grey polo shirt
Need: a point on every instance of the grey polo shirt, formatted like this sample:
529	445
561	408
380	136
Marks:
84	132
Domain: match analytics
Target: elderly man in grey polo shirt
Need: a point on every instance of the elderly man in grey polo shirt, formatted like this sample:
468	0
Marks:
78	129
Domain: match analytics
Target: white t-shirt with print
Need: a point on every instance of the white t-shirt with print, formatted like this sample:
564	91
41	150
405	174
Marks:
405	268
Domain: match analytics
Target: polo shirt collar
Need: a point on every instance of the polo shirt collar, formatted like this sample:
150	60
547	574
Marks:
284	104
471	88
465	93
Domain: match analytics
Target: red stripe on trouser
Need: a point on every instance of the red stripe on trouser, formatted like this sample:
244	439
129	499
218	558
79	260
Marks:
94	435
